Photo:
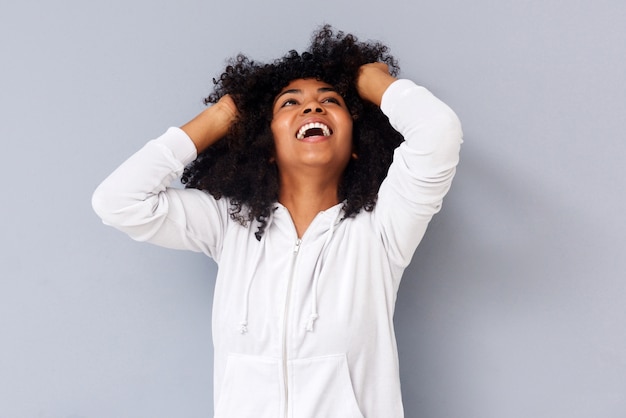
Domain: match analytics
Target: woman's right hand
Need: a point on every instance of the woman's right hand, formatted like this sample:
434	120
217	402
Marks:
229	106
212	124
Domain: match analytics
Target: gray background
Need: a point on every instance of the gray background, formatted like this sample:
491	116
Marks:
515	303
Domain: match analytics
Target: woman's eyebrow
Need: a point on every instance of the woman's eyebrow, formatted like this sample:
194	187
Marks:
298	91
290	91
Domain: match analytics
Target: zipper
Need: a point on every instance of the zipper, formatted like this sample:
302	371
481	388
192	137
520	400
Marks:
296	250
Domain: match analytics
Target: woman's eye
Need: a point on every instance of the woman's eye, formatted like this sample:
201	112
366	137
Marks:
331	100
289	102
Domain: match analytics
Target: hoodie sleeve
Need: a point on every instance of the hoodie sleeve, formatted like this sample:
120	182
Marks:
137	198
422	169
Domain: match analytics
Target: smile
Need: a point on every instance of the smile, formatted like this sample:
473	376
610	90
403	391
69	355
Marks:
313	129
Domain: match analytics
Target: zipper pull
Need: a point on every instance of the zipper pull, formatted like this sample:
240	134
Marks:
296	248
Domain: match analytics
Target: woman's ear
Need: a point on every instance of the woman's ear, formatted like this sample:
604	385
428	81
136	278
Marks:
354	155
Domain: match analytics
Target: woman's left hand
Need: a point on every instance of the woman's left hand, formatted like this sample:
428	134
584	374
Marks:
373	80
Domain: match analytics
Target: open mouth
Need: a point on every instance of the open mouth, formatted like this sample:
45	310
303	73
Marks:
313	129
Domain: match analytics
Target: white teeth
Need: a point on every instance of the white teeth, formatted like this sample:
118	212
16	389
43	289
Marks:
325	129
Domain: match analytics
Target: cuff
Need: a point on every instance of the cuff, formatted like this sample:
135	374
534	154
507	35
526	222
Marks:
177	141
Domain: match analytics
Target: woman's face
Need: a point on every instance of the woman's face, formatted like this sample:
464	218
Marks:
312	127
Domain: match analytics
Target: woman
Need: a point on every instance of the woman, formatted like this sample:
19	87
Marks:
291	190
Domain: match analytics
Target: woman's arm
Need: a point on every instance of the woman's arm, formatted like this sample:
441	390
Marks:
423	165
138	200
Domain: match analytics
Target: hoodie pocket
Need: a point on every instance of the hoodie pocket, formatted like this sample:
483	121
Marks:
321	387
250	388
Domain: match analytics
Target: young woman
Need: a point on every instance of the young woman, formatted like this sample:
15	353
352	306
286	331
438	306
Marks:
291	189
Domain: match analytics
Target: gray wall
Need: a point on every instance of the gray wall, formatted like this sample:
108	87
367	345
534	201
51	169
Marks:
515	303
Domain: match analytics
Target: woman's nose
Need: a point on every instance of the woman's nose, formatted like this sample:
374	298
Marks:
310	109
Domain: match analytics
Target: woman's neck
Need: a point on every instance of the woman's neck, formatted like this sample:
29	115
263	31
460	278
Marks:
304	200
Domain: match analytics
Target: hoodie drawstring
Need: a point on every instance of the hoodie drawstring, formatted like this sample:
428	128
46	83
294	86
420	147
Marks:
243	324
316	275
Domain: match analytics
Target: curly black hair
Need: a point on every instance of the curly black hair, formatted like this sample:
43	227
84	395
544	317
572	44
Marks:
240	166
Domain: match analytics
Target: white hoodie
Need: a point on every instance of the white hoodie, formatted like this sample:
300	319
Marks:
302	328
